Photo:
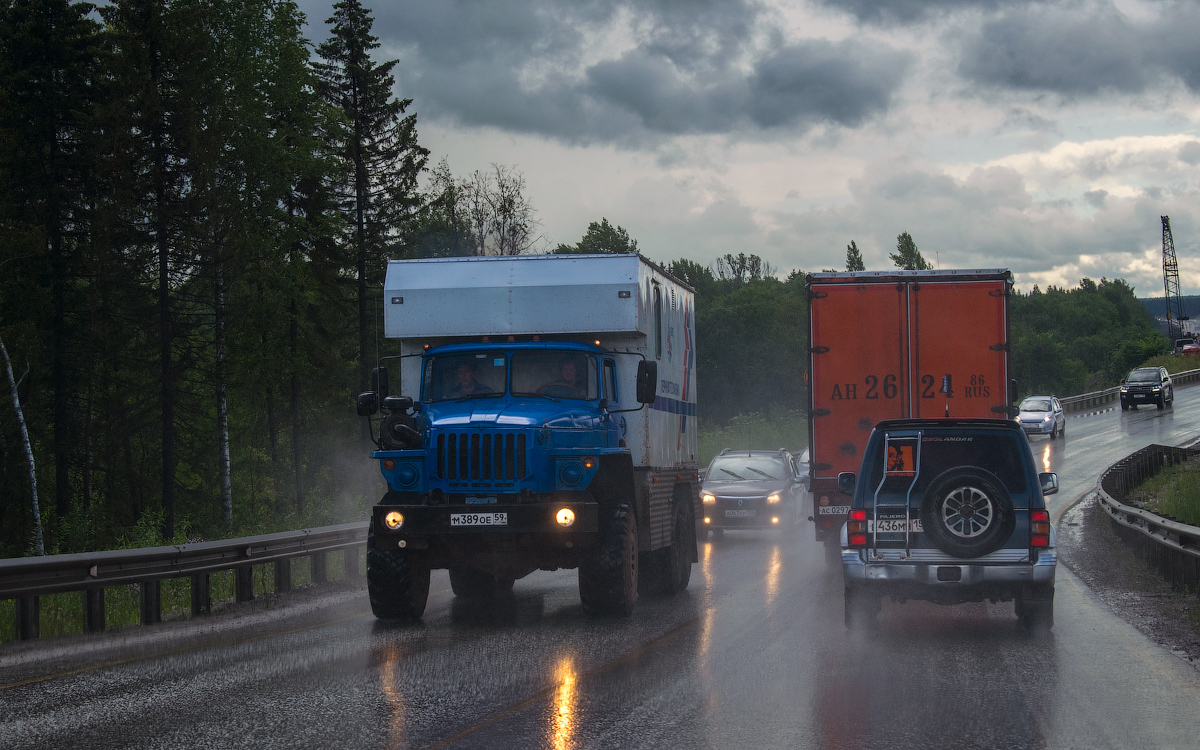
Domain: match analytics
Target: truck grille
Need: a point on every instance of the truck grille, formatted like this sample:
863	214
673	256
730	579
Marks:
472	455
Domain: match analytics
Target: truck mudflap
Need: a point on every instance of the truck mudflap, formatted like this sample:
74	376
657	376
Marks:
830	509
574	522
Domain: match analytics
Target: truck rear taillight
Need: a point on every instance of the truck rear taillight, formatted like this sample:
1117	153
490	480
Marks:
856	528
1039	528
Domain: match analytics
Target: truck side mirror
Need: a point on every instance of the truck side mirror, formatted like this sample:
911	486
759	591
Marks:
368	404
847	482
379	381
397	403
647	381
1049	482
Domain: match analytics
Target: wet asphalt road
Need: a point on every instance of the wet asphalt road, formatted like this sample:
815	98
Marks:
754	654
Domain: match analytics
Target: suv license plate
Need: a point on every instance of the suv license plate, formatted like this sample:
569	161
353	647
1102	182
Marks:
740	513
896	525
478	519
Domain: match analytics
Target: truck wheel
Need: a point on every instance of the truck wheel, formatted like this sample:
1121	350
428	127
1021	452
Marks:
397	584
967	512
1035	608
608	576
668	571
470	583
861	609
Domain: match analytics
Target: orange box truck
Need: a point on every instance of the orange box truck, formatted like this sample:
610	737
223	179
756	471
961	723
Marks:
893	345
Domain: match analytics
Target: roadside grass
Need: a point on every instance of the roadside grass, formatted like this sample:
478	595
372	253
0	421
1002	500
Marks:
1174	362
754	431
1174	493
62	614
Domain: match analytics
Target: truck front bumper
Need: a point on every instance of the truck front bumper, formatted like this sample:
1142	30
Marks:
534	524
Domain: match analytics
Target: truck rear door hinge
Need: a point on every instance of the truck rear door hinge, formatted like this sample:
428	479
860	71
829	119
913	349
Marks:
818	350
819	413
999	293
1001	347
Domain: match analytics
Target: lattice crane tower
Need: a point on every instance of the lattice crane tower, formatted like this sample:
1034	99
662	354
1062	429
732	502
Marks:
1175	316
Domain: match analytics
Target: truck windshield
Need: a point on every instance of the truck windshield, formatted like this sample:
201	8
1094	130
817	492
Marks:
461	376
553	374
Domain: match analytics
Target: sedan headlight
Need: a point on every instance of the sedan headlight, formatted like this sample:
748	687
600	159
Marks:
1047	418
773	498
708	498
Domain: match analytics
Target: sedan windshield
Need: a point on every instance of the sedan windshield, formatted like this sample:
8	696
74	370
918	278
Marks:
1144	376
1035	404
747	469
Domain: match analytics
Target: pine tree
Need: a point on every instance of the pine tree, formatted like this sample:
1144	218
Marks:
907	257
377	143
854	259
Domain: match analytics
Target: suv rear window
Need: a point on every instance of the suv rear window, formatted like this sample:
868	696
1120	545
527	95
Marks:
998	454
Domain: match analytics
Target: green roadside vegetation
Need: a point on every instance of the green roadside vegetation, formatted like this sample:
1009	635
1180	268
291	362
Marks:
755	431
1173	493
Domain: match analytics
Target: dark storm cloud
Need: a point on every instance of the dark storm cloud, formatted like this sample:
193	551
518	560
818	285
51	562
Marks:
801	84
695	67
1085	50
908	11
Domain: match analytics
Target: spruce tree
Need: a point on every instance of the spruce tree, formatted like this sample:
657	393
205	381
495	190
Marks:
377	144
854	259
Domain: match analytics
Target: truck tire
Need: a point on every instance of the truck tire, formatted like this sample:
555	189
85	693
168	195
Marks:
608	576
967	512
470	583
861	609
1035	608
668	571
397	584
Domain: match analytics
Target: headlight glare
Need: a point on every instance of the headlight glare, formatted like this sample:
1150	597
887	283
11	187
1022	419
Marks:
565	517
773	498
394	519
708	498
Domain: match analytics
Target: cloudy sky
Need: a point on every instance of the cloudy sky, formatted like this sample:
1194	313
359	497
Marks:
1047	137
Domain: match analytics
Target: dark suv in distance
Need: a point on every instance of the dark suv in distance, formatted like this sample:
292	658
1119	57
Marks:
949	511
1147	385
752	489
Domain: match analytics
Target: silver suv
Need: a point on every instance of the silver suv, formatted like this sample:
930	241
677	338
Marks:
949	511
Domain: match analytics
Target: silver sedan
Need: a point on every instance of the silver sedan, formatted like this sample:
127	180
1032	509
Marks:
1042	415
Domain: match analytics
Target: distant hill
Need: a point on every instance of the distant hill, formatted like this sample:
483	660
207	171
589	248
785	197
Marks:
1158	308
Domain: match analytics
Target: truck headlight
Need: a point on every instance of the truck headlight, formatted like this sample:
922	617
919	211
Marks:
565	517
708	498
394	519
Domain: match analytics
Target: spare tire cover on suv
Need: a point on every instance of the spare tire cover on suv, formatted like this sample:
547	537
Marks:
967	512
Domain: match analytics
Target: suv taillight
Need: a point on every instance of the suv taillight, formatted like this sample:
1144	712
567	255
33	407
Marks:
856	528
1039	528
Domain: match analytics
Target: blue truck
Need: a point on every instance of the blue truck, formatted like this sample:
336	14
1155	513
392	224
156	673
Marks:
547	420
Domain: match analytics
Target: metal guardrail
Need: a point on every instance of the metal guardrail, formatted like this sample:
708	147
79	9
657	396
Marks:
1108	395
1170	546
28	578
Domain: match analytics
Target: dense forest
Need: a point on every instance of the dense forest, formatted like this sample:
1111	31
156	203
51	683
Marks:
196	208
